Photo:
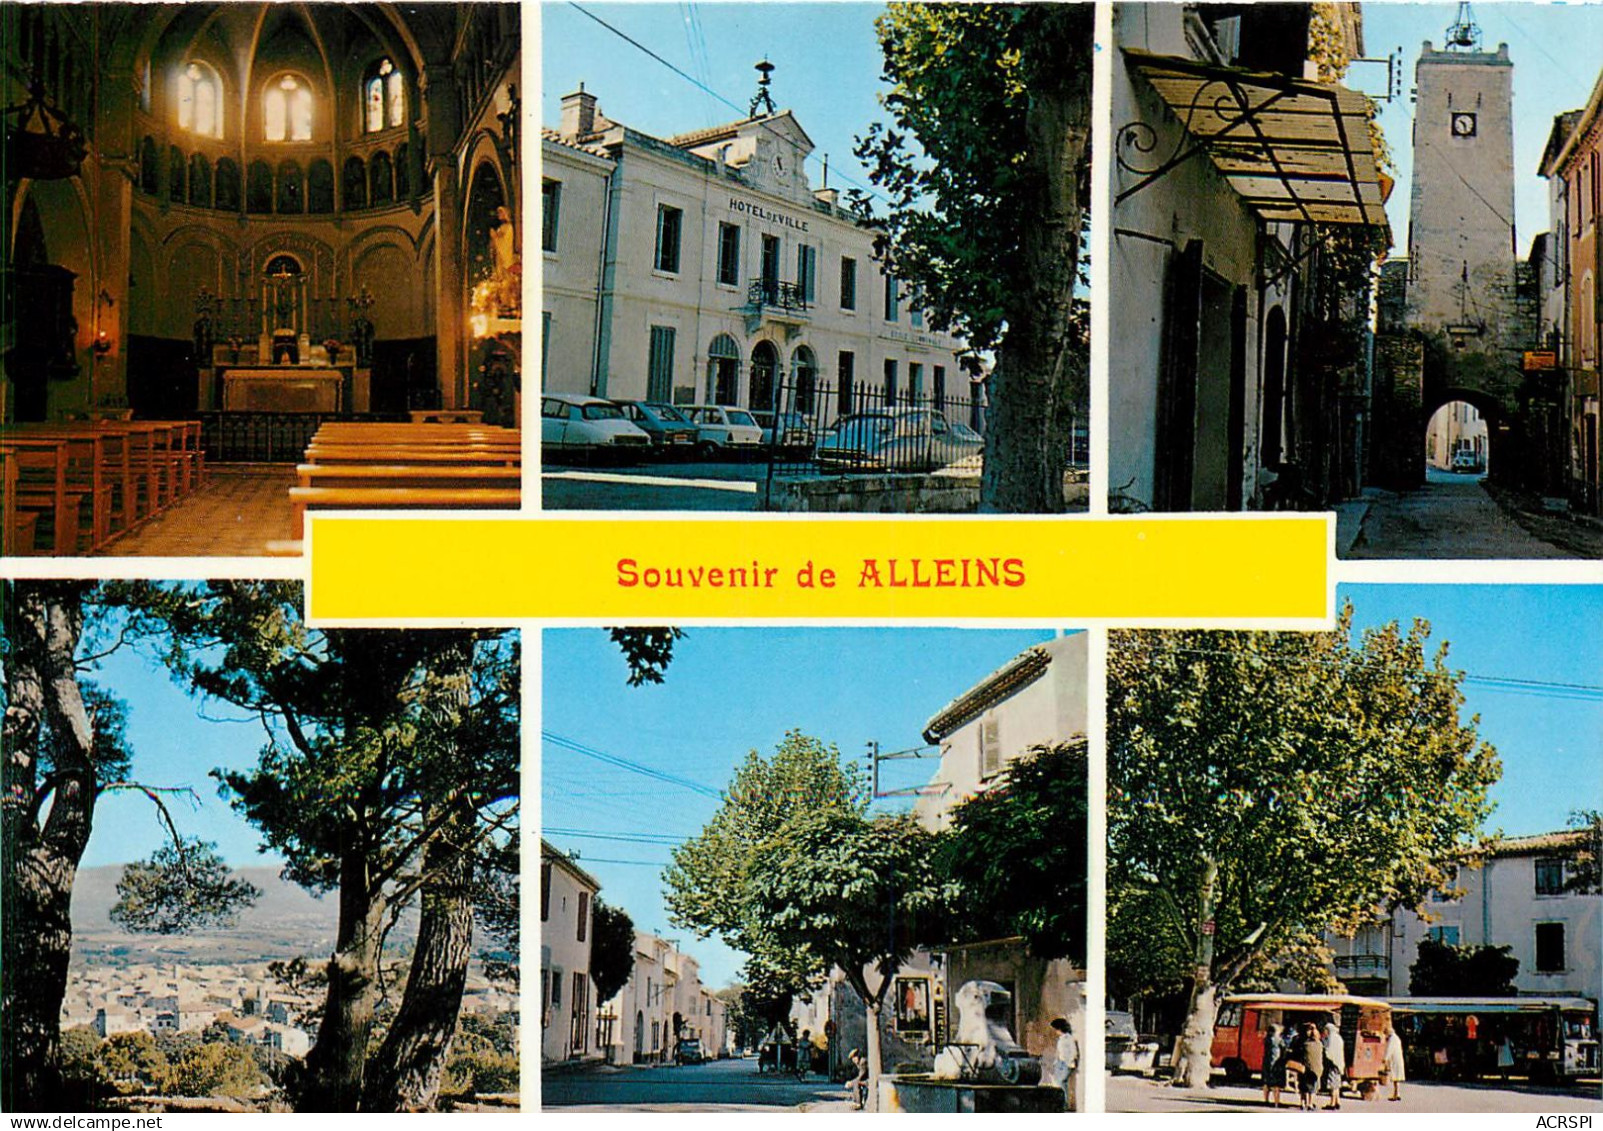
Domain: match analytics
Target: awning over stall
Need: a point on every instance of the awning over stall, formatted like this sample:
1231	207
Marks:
1293	149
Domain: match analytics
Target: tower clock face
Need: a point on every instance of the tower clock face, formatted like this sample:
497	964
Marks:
1463	125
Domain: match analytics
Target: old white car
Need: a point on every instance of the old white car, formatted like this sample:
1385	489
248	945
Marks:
897	439
573	423
724	429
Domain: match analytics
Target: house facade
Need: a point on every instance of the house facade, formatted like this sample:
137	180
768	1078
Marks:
1238	373
1515	896
567	898
1573	165
706	268
662	1003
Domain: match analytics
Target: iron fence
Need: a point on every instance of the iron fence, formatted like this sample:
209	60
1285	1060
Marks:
269	437
815	427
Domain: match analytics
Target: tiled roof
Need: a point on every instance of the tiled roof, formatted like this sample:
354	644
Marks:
711	133
1540	842
1022	669
555	138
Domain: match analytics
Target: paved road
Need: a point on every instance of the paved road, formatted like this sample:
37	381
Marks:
654	486
1132	1093
1451	518
722	1085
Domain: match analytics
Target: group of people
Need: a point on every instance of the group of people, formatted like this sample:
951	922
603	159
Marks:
1302	1058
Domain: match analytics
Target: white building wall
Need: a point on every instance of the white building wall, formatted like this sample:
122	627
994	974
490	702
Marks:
572	272
634	295
1047	711
1150	229
563	954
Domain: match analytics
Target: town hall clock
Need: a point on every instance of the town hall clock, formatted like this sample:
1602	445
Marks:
1463	125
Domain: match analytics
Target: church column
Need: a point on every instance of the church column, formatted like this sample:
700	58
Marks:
450	297
111	206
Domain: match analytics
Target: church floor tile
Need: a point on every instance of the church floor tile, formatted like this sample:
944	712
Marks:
237	513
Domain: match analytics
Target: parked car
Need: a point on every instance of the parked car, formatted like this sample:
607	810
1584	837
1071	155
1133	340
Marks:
724	429
671	433
896	439
571	422
794	433
690	1051
1123	1047
1466	462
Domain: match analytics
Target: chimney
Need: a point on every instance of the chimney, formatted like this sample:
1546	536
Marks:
578	113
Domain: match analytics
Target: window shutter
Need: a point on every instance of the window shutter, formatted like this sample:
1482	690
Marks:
990	747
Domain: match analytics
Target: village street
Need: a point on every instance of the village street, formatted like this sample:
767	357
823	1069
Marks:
1133	1093
1453	518
719	1085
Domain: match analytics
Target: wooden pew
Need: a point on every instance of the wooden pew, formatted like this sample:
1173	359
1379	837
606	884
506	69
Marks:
407	475
42	487
17	527
303	499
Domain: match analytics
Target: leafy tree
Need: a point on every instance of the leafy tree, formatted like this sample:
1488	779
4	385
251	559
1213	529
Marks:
82	1078
64	748
133	1064
706	885
1265	787
612	948
1019	856
647	651
1444	970
838	890
986	167
184	886
218	1069
1582	872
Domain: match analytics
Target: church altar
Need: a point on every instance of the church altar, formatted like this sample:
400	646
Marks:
284	388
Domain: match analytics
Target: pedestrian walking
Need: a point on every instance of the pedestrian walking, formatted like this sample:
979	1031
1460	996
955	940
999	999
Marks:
1394	1064
1067	1066
1274	1064
1335	1065
1505	1057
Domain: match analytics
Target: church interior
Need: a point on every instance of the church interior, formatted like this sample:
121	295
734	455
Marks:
260	258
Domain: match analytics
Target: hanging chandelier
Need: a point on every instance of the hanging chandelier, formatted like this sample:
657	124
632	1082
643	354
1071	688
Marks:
42	144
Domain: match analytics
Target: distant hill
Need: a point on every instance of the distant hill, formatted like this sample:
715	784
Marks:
286	921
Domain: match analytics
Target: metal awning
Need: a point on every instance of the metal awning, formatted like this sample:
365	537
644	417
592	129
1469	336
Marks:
1294	149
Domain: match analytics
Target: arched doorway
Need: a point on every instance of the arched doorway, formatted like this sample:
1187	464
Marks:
1457	442
640	1037
723	370
764	367
803	380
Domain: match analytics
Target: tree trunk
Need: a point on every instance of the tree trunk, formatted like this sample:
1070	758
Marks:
871	1040
331	1076
407	1072
1041	370
1193	1064
39	865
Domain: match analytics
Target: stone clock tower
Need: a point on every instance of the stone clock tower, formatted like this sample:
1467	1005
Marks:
1461	239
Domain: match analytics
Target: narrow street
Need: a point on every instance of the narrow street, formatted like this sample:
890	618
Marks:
720	1085
1133	1093
1451	518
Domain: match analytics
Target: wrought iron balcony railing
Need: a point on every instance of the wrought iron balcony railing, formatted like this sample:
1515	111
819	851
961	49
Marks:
772	294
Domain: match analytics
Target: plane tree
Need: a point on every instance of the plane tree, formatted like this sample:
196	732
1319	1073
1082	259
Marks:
983	175
1267	787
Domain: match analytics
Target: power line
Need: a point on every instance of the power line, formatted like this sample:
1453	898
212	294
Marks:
627	764
626	838
699	85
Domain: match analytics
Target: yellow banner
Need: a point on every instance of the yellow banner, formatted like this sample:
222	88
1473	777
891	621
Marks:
1138	570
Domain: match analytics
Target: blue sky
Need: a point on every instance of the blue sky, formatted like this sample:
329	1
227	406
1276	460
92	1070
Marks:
729	691
1557	50
827	58
177	741
1550	738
